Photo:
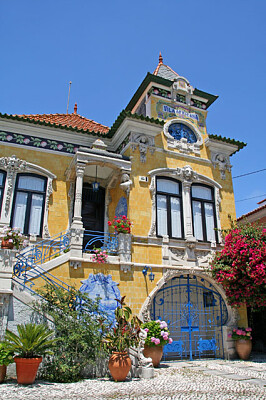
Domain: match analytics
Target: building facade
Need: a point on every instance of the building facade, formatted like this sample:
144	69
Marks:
158	166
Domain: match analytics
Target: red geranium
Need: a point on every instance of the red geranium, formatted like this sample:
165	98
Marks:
120	224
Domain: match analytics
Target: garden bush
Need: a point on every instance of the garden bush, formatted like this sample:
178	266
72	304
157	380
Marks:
79	327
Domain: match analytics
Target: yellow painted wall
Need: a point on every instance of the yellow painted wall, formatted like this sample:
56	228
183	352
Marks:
133	285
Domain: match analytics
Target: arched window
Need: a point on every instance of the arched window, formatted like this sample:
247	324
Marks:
179	131
203	211
28	205
169	219
2	187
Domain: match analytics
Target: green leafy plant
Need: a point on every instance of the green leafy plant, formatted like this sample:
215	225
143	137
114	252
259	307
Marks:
79	327
6	355
124	333
31	341
157	333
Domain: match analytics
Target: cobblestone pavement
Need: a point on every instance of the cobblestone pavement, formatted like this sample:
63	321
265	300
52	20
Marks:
205	379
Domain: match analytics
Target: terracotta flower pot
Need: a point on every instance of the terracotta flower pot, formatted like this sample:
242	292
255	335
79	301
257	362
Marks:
155	353
6	244
27	369
243	348
119	365
2	373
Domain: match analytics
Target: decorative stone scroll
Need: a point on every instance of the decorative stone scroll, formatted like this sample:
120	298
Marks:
222	161
144	143
126	182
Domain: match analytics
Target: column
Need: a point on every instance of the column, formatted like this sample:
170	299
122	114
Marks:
78	194
187	210
77	230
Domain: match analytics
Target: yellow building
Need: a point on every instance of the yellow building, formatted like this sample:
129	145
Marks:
158	166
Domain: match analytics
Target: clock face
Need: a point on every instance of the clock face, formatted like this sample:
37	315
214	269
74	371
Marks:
179	131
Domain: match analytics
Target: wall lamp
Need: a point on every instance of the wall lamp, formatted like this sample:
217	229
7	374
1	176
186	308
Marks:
151	274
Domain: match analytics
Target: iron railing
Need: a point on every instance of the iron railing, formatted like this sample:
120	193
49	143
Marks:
29	261
96	239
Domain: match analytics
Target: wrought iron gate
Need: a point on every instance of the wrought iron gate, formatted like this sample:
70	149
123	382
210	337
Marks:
195	312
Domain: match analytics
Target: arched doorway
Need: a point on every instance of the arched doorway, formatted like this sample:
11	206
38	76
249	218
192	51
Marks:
195	312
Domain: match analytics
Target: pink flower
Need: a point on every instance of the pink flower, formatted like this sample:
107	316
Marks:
157	341
146	330
170	340
229	335
10	240
60	146
43	144
26	140
9	138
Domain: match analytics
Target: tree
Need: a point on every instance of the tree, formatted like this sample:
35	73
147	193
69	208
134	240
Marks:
241	266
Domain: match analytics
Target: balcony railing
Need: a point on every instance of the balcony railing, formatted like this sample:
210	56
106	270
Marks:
96	239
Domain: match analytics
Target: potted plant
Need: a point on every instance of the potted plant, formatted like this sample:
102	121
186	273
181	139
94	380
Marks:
157	336
243	344
32	342
121	224
6	358
99	256
11	237
123	334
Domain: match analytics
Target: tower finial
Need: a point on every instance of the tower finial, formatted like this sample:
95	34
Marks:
75	108
160	58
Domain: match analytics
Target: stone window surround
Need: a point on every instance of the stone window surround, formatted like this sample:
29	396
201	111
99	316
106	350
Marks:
13	166
187	177
182	145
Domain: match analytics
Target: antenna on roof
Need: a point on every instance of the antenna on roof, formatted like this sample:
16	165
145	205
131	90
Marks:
68	96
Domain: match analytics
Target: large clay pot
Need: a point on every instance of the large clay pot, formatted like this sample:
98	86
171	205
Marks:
119	365
243	348
5	244
27	369
2	373
155	353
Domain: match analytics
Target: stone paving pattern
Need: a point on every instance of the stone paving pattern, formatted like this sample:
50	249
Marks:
205	379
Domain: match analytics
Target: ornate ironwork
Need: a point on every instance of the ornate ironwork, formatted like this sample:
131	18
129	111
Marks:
105	241
29	261
195	313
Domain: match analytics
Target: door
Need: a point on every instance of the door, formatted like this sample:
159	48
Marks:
92	213
195	313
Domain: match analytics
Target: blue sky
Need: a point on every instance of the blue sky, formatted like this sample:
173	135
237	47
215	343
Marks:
106	48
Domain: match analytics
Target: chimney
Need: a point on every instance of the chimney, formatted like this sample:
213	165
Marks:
75	108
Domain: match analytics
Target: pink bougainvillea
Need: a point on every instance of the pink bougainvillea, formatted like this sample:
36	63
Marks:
241	266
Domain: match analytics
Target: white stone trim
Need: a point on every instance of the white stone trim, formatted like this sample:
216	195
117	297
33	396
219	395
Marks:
182	145
186	176
13	165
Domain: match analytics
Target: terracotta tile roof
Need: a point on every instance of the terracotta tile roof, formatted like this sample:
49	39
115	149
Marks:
252	212
68	120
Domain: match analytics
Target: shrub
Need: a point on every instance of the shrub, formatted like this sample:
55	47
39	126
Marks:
241	266
78	329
